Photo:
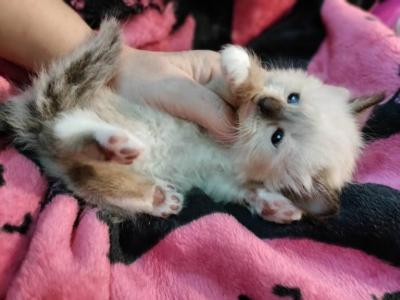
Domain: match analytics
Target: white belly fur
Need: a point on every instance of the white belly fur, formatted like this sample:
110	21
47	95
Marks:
177	151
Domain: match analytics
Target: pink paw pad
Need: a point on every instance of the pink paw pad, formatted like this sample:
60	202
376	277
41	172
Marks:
267	211
119	146
166	200
159	196
274	207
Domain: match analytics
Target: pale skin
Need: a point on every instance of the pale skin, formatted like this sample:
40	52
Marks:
188	84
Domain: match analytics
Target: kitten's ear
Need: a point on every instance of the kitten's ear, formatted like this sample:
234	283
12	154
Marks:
91	66
241	69
337	91
323	201
320	201
360	104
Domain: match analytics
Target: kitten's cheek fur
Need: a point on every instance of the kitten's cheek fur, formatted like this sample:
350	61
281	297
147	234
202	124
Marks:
321	202
322	208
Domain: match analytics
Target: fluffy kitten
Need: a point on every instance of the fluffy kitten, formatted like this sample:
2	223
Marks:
297	138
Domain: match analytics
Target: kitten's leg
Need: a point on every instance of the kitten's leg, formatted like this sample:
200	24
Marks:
272	206
83	132
121	189
160	199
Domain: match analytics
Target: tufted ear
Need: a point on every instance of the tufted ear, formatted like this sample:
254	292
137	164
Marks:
360	104
320	201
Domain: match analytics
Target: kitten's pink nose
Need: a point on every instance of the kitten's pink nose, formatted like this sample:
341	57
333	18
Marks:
270	107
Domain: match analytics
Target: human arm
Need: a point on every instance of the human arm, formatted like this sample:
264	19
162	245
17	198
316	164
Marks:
185	84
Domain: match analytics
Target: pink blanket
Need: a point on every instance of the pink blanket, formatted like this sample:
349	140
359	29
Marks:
51	247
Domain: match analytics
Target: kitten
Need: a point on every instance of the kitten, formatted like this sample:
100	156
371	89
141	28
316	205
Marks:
297	138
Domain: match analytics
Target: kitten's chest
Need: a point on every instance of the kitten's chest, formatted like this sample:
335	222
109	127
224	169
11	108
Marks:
177	151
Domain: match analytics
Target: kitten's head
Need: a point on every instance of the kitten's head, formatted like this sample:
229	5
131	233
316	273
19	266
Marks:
297	135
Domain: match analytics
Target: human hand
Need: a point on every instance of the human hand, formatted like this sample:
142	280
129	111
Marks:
188	85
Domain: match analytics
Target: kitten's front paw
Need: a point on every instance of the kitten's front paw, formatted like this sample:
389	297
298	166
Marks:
119	146
166	200
235	63
273	207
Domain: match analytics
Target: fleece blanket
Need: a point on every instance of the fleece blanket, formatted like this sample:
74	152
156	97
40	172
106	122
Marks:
53	247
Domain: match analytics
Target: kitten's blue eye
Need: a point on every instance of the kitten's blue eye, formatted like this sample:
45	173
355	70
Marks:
277	137
293	98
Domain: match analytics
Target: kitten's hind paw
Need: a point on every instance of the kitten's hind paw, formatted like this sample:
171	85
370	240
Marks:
119	146
166	200
273	207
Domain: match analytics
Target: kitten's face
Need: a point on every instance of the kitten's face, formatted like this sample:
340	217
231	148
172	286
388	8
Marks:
296	130
297	135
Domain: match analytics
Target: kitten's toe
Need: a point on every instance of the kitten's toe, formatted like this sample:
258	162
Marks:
274	207
158	196
119	146
282	215
166	200
160	200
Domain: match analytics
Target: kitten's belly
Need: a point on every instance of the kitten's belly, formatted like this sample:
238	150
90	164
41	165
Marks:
178	152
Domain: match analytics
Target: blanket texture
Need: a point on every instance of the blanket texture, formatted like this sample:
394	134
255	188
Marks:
53	247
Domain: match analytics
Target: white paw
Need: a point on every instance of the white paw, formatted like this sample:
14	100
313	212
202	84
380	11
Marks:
235	63
166	200
118	145
273	207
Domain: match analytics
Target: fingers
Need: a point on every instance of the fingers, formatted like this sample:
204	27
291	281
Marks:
220	87
188	85
204	67
189	100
